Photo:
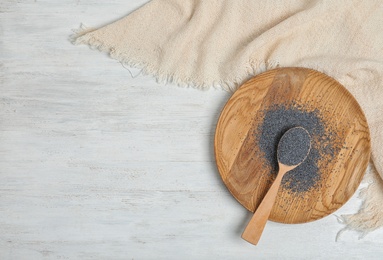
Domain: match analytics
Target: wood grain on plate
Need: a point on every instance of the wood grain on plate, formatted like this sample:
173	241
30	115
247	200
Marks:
239	159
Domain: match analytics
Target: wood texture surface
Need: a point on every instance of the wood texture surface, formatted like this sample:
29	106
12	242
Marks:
88	155
240	161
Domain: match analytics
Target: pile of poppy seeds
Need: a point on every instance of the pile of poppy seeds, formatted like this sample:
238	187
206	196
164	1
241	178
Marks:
276	120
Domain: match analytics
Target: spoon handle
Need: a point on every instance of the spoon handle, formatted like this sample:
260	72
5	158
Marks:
254	228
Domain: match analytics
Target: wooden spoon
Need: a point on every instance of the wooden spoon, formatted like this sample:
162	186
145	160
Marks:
293	148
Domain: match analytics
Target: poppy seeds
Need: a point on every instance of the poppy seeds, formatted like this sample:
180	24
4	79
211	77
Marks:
294	146
275	121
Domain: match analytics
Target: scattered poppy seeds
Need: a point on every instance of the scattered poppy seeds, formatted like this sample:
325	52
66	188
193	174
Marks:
276	120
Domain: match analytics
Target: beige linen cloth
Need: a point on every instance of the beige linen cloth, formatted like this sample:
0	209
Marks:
223	43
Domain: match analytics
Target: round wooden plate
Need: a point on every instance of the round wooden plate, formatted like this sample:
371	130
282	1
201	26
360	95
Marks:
248	174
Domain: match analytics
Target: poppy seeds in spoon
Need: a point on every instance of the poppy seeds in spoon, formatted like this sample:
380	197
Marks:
294	146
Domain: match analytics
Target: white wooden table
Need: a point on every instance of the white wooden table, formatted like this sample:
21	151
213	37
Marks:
95	164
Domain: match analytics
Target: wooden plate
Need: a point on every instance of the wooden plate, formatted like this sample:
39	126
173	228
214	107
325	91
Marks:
247	172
